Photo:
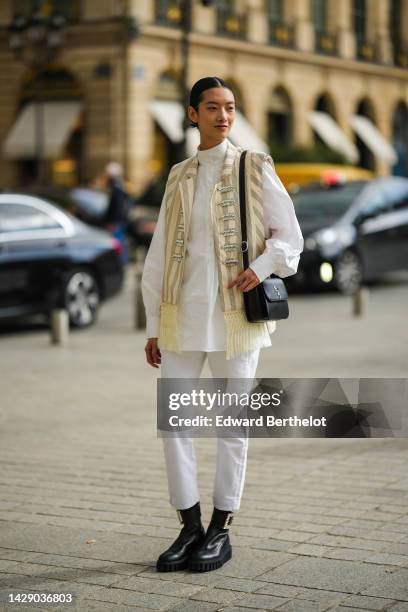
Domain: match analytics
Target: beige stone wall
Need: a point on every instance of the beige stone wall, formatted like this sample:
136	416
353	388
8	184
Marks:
119	124
102	8
257	75
102	107
6	12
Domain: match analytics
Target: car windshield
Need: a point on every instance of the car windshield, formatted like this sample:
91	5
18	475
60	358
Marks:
320	202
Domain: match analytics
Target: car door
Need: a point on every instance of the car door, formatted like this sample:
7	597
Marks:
397	194
376	232
33	244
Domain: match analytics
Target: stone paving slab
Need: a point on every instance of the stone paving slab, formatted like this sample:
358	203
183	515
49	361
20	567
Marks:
394	585
323	524
346	576
369	603
400	607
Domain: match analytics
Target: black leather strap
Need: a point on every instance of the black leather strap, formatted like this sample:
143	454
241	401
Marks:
268	300
242	208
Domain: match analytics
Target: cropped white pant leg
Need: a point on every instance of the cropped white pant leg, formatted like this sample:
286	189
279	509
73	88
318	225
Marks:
179	453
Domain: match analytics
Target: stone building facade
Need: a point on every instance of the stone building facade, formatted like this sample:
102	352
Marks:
286	60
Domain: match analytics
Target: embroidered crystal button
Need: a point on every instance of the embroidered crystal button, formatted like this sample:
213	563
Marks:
229	232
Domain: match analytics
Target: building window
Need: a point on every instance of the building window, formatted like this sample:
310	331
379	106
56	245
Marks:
68	8
400	50
168	12
320	15
366	50
359	19
325	42
279	32
230	22
65	165
274	10
400	139
279	119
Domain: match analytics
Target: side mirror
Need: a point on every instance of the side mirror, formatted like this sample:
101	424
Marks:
363	216
359	218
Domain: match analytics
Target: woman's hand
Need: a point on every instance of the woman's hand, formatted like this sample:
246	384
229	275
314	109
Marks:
153	355
246	280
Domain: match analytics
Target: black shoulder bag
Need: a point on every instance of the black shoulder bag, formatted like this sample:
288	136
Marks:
268	301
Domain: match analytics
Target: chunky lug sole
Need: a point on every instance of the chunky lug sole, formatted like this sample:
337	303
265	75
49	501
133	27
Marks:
208	566
172	566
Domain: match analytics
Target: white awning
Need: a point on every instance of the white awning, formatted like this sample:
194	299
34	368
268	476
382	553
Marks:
169	115
59	119
330	132
373	138
242	134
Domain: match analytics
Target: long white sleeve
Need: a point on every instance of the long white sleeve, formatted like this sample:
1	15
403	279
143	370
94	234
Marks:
153	272
284	240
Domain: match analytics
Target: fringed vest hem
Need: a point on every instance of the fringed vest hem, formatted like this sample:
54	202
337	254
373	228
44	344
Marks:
169	334
241	336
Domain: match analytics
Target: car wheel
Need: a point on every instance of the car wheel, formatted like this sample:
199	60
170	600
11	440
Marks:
348	274
81	297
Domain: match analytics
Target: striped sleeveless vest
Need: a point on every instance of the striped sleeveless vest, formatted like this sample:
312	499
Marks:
241	336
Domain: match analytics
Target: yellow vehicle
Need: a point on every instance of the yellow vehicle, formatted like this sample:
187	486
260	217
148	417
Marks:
295	175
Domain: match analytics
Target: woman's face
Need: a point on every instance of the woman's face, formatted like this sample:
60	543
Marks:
216	113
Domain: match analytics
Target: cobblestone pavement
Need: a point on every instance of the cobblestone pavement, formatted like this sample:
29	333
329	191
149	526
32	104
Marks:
84	508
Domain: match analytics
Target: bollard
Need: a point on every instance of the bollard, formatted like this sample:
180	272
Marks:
140	315
59	327
360	301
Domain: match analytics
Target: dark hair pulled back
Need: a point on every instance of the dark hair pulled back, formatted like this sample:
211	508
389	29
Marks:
196	93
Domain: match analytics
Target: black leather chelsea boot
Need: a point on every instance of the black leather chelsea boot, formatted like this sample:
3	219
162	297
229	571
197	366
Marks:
191	535
216	549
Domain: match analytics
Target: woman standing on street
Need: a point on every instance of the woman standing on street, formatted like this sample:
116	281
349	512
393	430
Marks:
193	285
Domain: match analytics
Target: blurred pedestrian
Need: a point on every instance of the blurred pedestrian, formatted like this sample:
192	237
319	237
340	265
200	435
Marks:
116	217
193	284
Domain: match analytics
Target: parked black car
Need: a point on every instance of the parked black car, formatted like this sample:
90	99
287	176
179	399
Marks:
49	258
90	205
354	232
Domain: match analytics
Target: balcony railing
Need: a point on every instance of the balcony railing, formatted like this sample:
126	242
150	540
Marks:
231	24
281	34
400	52
69	9
168	13
325	42
367	51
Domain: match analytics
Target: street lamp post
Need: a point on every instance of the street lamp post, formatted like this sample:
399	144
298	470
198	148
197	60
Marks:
35	41
185	52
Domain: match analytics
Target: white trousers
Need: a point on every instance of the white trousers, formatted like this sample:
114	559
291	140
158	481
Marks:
179	453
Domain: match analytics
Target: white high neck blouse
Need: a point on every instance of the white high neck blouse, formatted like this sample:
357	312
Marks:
201	320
